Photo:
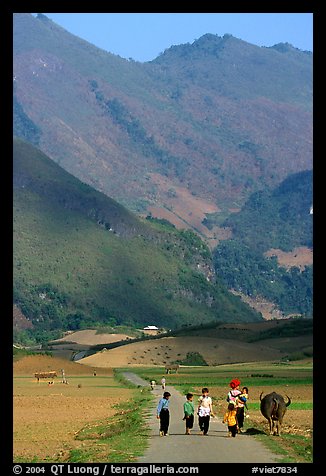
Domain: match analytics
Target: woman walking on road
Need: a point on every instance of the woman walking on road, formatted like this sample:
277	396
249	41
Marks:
234	392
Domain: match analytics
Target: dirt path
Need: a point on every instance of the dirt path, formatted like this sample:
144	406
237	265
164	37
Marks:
216	447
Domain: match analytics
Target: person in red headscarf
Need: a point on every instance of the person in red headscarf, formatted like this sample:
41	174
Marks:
234	392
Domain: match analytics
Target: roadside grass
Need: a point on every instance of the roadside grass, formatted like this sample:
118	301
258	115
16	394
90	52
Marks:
291	448
119	439
294	406
297	448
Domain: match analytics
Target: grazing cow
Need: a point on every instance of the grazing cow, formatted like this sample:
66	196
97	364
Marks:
168	368
273	408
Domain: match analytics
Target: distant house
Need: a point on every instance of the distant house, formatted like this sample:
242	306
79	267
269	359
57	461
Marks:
151	330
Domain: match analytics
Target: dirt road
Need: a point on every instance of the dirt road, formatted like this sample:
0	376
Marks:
216	447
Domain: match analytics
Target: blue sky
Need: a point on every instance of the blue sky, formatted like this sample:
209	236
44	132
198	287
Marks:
143	36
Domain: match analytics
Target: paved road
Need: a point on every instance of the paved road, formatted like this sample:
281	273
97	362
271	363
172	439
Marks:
177	447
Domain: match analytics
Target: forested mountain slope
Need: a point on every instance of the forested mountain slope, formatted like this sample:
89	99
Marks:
272	221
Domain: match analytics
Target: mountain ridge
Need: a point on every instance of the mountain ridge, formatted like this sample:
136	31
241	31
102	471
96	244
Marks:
116	124
221	49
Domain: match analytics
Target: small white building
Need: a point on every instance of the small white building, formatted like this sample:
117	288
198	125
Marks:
151	330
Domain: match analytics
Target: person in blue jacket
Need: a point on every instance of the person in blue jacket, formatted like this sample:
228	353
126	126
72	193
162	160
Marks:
163	413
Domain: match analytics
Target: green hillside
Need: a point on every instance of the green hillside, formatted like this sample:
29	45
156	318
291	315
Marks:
82	259
271	219
278	218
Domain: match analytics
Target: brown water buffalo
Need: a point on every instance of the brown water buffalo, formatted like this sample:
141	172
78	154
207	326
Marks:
273	408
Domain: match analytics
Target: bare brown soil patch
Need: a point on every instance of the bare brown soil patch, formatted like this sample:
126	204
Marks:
43	363
20	321
267	309
48	417
80	341
91	337
184	210
165	214
215	351
299	257
212	237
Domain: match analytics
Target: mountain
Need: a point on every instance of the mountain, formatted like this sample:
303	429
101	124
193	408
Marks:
82	259
272	223
194	132
278	218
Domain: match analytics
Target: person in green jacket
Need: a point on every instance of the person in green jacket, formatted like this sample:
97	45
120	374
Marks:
189	411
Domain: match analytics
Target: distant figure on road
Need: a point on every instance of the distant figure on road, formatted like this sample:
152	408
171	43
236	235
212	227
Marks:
241	405
204	411
163	413
189	412
64	380
230	417
153	383
163	383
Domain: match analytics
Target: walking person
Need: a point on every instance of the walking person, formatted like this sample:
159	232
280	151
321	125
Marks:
241	405
234	392
163	383
189	412
230	417
163	413
204	411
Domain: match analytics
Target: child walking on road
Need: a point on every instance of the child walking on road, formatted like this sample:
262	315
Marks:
163	413
189	411
241	406
230	417
204	411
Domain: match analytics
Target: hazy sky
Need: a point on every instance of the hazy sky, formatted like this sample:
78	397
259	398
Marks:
143	36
